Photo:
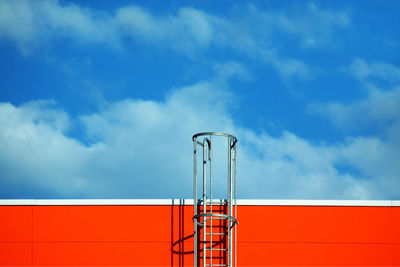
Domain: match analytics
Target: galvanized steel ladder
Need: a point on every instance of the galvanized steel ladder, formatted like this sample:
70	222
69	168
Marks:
214	219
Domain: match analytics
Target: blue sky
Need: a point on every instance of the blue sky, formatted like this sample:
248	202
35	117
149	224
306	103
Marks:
99	99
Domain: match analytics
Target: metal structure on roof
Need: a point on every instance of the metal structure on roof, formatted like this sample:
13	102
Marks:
214	219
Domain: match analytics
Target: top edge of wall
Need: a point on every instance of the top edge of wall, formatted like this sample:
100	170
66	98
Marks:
240	202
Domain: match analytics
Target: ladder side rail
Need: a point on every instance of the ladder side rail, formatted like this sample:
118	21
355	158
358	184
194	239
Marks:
229	203
195	198
235	159
204	200
211	206
227	194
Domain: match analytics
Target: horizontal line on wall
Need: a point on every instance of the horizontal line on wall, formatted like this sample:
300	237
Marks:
191	242
166	202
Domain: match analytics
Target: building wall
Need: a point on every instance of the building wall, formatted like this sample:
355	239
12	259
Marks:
162	235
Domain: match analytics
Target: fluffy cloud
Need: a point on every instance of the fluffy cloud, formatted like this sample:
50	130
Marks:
36	155
189	29
376	156
380	108
139	148
313	26
33	24
377	111
363	71
142	148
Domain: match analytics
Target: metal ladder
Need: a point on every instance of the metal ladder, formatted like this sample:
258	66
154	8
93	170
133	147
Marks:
214	219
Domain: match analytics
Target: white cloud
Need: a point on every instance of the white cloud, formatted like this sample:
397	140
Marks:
10	14
186	31
33	24
143	148
375	158
35	150
379	109
313	26
292	67
363	70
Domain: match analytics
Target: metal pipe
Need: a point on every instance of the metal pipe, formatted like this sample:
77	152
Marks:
229	202
204	199
214	133
211	210
195	197
235	158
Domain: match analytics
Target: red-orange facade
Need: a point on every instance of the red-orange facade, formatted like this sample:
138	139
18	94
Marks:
162	235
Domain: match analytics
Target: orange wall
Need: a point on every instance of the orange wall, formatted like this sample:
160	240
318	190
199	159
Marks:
154	235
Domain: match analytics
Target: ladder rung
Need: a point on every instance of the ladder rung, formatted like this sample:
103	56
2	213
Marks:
215	210
215	201
216	233
216	265
219	249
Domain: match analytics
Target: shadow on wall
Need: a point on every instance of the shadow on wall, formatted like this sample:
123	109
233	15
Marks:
182	237
181	245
